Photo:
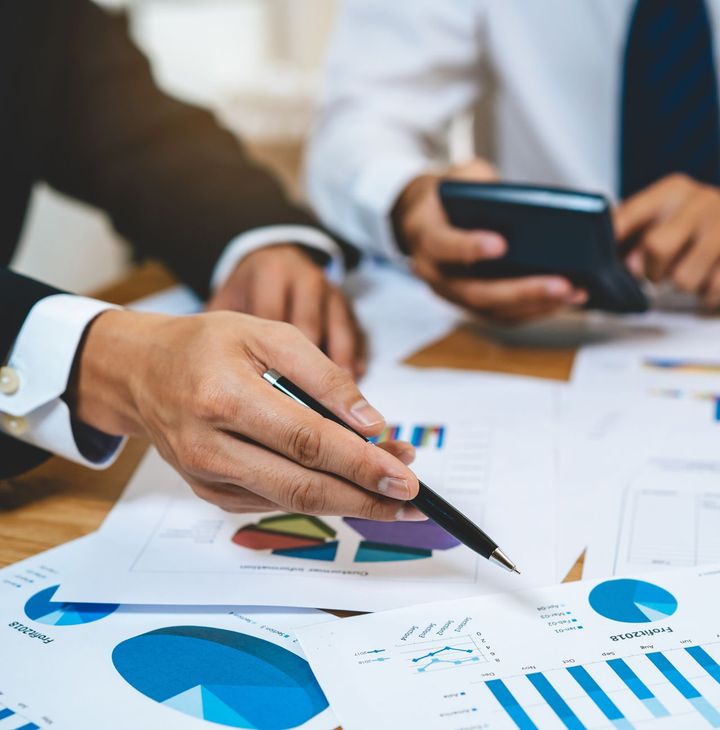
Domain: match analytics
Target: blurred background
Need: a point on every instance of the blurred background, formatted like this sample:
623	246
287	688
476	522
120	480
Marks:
256	63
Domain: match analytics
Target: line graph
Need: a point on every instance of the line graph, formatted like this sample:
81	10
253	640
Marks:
439	657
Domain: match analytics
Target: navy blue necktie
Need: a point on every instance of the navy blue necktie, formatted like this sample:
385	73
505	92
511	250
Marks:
670	117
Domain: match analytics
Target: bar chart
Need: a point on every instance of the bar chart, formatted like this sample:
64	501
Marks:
12	719
682	365
420	435
620	692
637	652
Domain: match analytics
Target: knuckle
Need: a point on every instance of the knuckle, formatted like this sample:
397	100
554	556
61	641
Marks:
303	444
374	509
209	399
683	279
358	465
334	381
678	179
477	297
656	243
306	495
207	493
195	457
314	276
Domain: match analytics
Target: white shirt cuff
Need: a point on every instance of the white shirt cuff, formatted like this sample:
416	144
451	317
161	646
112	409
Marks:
244	244
36	376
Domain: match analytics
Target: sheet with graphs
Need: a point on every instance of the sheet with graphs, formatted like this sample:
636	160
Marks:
487	448
88	666
668	356
617	653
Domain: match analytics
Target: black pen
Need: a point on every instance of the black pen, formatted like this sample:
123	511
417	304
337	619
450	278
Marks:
427	501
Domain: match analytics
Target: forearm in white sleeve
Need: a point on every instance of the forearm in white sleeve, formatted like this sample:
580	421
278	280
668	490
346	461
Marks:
397	74
36	375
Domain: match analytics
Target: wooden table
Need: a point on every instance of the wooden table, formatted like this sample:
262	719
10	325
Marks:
60	501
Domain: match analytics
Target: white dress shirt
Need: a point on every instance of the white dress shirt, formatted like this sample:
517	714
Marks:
547	74
37	370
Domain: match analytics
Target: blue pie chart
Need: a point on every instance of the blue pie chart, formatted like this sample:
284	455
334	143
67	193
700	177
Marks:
632	601
226	677
42	609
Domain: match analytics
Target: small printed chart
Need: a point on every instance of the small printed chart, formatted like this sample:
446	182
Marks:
436	657
42	609
310	538
632	601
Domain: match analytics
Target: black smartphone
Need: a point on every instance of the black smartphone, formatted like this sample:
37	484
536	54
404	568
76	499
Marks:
548	231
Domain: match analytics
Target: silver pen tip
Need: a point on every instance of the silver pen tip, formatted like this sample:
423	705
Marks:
499	558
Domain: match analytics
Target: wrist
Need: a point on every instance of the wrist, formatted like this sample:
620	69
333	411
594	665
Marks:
111	356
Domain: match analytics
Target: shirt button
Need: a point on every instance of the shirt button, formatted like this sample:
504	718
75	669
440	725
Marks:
9	381
14	425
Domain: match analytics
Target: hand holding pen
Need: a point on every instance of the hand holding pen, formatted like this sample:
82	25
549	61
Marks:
427	500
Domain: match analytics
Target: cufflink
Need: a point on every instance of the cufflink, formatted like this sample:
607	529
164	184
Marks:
14	425
9	381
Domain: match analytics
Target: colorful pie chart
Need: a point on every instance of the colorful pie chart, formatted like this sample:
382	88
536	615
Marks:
222	676
42	609
632	601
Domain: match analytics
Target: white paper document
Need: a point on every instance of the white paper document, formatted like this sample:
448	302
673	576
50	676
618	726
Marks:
90	666
666	515
618	653
604	439
489	450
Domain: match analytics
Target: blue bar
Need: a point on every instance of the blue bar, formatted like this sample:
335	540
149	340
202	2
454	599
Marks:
596	693
29	726
657	709
506	698
638	687
6	712
687	690
673	675
557	703
705	661
706	710
717	409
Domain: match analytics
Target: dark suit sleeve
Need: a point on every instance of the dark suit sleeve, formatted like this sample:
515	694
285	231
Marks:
175	184
18	295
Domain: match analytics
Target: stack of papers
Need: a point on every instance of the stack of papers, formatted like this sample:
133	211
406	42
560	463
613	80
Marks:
176	614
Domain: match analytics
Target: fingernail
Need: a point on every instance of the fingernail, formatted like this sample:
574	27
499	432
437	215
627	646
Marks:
365	414
410	514
490	244
556	287
394	487
578	297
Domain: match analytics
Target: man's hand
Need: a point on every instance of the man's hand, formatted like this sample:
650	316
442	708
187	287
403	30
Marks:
194	386
676	224
431	241
282	283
